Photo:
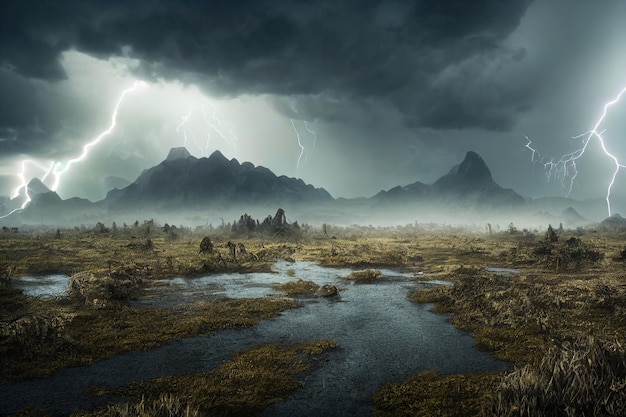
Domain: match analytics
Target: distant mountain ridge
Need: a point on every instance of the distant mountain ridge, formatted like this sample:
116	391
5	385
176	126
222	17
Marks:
183	180
468	184
195	188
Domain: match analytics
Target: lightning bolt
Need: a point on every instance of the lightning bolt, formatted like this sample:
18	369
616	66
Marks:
231	138
312	132
59	171
214	124
181	128
23	185
56	169
533	150
299	143
565	168
299	139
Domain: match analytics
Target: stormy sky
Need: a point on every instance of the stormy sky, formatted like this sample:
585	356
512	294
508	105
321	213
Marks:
351	95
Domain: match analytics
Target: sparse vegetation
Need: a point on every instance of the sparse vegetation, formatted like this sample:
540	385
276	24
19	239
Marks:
564	314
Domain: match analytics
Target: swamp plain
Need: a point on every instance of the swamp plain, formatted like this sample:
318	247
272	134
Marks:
556	312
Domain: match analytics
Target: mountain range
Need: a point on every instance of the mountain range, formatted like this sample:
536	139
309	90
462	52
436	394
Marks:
183	180
197	188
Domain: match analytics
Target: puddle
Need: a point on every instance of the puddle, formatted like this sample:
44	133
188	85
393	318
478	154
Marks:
503	271
43	286
383	338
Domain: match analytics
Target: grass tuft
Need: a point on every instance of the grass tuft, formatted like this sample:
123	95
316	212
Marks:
365	275
586	377
299	287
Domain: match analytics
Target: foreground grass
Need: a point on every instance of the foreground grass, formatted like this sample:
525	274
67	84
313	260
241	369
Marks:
244	386
430	394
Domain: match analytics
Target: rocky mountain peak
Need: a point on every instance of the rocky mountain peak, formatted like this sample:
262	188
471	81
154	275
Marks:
473	169
178	153
35	186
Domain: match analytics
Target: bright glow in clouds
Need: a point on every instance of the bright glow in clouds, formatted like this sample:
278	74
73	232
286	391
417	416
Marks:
565	169
143	125
57	169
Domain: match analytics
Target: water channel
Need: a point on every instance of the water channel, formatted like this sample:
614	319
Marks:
383	337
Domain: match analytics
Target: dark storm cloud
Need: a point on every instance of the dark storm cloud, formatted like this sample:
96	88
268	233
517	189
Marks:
437	61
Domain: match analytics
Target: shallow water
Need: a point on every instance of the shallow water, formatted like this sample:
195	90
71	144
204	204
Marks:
43	286
503	271
383	338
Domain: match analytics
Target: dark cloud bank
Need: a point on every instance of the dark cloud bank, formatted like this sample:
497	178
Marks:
439	63
410	85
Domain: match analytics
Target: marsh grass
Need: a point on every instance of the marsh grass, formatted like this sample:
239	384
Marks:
365	275
573	290
107	254
516	316
553	320
166	405
85	336
299	287
249	383
585	377
434	294
429	394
